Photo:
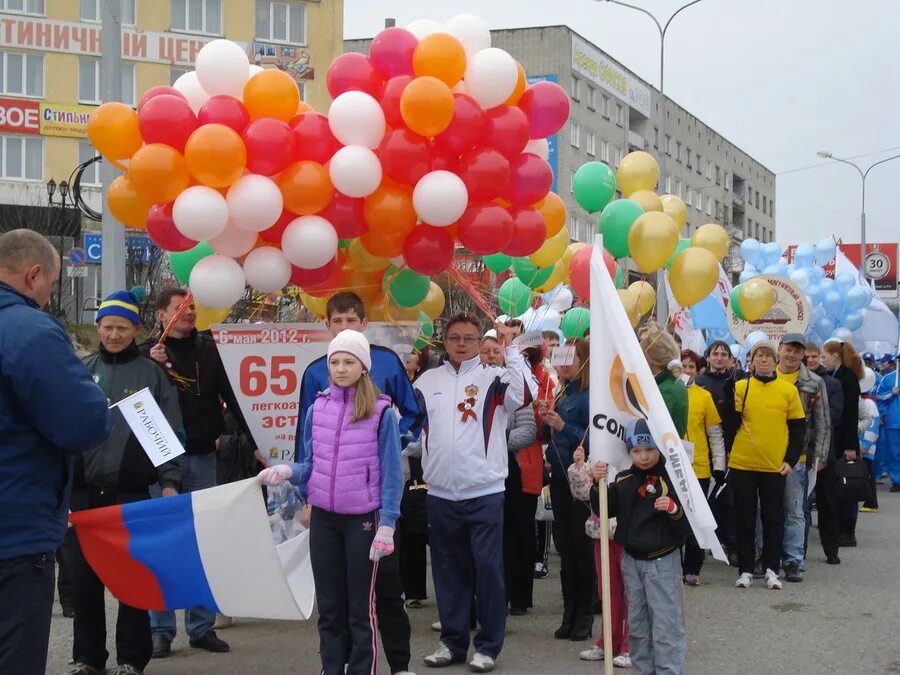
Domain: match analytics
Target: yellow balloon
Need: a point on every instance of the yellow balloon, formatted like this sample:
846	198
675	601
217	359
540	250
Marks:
652	241
648	200
552	249
637	171
314	304
434	302
394	313
755	297
646	296
556	277
675	209
713	238
207	316
693	275
630	302
365	261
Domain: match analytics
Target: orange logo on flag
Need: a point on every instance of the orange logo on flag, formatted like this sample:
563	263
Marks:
626	391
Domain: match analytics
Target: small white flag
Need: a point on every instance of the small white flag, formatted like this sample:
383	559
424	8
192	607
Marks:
150	427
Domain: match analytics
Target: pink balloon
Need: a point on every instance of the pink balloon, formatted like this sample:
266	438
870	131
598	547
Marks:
465	128
313	139
225	110
167	119
546	105
404	156
352	71
392	50
530	179
162	230
506	130
153	92
346	215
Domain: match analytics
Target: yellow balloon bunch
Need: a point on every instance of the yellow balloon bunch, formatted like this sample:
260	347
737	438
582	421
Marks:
637	171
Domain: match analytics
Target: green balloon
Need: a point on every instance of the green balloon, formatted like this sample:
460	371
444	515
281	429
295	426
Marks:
497	263
575	322
594	185
182	263
620	279
736	304
515	297
530	274
615	223
681	246
427	332
407	288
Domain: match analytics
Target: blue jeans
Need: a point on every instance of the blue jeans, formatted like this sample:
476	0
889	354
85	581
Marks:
795	488
198	472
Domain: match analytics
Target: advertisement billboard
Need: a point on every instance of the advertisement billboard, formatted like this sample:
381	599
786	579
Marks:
880	265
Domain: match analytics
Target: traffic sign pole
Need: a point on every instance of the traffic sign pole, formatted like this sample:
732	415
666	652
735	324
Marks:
112	270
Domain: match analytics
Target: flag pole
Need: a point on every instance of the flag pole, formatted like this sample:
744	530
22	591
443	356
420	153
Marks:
605	599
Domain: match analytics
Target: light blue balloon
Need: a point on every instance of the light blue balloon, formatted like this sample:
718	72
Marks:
825	326
774	270
818	273
804	255
814	294
750	250
833	303
817	313
748	273
772	253
800	277
857	298
852	320
826	284
845	281
870	294
843	334
826	249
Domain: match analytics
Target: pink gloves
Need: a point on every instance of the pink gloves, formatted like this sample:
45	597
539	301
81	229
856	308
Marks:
383	544
275	475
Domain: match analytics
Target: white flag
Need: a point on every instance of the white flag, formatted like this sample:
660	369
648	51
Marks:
150	427
623	389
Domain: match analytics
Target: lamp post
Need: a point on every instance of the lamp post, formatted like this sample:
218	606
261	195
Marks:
863	174
61	227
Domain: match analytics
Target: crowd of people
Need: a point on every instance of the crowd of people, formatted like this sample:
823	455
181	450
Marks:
459	451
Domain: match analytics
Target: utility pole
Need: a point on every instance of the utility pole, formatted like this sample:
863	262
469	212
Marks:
112	266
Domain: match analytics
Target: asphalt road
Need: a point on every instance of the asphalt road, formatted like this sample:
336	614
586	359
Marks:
841	619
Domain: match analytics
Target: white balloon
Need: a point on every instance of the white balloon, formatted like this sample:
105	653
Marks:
267	270
222	68
309	242
491	77
356	118
217	282
254	69
423	27
471	31
562	300
355	171
539	147
254	202
200	213
440	197
190	87
233	241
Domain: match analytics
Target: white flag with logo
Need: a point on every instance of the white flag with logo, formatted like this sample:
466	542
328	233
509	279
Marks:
623	389
150	427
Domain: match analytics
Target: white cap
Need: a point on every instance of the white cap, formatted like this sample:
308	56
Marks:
354	343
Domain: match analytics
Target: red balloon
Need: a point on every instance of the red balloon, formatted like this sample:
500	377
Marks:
153	92
391	52
273	234
485	173
529	231
163	232
530	179
465	129
428	250
546	105
390	100
270	146
352	71
313	139
485	229
225	110
310	278
346	215
506	130
405	156
580	270
167	119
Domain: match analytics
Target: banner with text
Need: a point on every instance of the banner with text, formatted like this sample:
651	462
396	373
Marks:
150	427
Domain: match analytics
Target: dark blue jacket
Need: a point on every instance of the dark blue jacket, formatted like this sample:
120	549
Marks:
575	409
50	410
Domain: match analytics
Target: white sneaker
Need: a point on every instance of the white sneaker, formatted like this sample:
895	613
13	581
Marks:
744	581
436	626
481	663
772	581
623	660
441	657
592	654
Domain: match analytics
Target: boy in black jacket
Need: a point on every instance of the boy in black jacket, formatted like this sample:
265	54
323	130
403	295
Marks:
651	526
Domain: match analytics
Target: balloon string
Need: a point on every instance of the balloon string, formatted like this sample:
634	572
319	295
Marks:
182	308
470	290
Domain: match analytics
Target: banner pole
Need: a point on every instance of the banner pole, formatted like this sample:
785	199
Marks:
604	580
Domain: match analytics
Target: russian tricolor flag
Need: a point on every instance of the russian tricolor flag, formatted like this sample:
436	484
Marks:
211	548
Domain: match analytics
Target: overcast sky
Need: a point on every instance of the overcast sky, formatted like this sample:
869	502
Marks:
782	79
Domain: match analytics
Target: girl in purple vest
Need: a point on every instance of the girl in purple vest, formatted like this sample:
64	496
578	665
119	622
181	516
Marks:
350	468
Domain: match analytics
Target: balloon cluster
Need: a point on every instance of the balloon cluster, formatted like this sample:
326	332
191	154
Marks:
433	139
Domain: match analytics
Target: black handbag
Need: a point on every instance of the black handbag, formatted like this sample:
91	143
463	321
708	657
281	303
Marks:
852	478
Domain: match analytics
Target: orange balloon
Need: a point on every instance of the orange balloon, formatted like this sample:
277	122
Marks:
382	245
272	93
306	187
303	107
127	204
215	155
553	209
389	210
159	172
521	83
442	56
426	106
113	131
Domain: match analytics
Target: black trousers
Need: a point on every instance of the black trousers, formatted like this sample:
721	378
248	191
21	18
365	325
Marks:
26	603
576	552
693	554
872	502
542	548
768	489
63	569
133	641
345	590
393	622
518	549
413	559
828	508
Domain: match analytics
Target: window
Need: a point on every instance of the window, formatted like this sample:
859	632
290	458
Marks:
718	207
749	195
709	206
677	151
91	11
687	159
618	156
620	114
678	189
91	175
22	74
575	91
23	6
772	207
668	145
589	143
175	73
571	185
604	151
699	164
604	108
573	226
592	98
690	196
668	185
698	200
655	137
718	175
709	170
281	21
575	133
728	181
765	205
89	85
197	16
757	199
23	158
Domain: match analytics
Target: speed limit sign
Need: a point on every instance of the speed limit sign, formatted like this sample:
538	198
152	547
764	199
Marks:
878	265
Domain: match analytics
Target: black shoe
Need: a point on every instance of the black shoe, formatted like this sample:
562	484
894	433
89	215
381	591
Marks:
582	629
792	574
162	647
541	573
211	643
895	487
564	630
518	611
848	541
68	611
832	560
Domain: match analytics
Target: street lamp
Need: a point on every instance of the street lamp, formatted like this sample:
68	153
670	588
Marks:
61	228
824	154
